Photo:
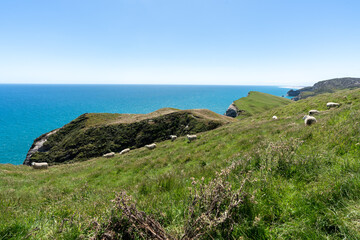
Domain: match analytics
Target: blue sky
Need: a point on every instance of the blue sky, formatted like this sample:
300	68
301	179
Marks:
242	42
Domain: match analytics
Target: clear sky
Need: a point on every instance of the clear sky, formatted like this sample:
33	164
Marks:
237	42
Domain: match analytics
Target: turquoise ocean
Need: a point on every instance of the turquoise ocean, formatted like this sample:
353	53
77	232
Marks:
27	111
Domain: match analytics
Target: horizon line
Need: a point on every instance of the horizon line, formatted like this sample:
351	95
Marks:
158	84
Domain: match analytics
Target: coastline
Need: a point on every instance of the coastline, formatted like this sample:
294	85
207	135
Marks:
32	110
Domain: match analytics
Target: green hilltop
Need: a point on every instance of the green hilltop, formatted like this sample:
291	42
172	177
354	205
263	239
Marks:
292	182
258	102
94	134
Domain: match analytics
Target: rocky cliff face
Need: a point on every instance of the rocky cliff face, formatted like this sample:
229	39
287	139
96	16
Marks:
232	111
38	146
325	86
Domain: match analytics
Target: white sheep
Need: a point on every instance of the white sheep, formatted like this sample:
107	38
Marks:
173	137
274	117
313	112
332	104
40	165
126	150
151	146
191	137
109	155
309	120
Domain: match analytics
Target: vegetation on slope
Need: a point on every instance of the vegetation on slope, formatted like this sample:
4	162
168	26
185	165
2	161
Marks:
94	134
326	86
303	182
258	102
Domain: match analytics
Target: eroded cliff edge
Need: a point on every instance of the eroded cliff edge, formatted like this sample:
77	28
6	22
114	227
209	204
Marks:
38	146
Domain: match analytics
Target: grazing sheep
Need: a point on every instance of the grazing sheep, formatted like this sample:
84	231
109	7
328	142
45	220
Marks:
191	137
275	117
126	150
173	137
313	112
309	120
151	146
109	155
332	104
40	165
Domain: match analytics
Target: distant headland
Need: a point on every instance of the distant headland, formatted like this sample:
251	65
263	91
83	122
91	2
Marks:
325	86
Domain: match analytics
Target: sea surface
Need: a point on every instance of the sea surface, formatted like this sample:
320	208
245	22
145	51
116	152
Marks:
27	111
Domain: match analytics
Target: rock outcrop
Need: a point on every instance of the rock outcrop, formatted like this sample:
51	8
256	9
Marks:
232	111
38	146
293	93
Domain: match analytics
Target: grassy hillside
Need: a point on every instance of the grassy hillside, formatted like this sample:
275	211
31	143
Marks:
94	134
303	182
328	86
258	102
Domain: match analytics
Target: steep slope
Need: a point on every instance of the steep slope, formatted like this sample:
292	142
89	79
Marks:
94	134
258	102
304	182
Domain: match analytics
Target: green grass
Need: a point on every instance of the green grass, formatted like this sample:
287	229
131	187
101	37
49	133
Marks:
307	94
96	119
101	119
258	102
305	181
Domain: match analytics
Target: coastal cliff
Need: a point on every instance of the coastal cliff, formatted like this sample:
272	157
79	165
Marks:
94	134
255	103
326	86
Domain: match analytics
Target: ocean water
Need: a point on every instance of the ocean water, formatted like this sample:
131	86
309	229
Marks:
27	111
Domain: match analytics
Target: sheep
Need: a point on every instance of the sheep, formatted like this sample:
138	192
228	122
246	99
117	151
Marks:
126	150
274	117
191	137
313	112
151	146
109	155
40	165
309	120
173	137
332	104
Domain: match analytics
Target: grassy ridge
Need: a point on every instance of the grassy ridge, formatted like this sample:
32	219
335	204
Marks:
305	181
94	134
101	119
258	102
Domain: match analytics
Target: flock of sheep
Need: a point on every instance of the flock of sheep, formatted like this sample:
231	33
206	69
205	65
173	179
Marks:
45	165
150	146
308	119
